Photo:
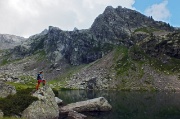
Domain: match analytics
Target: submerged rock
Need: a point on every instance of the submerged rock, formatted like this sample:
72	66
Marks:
76	115
6	90
97	104
45	108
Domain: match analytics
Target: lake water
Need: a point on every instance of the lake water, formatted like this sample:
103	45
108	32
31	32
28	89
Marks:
130	105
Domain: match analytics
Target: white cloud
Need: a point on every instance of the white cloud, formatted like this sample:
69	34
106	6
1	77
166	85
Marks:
28	17
159	11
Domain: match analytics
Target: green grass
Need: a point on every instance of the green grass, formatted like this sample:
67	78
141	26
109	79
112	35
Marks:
20	86
28	82
15	104
122	60
119	50
171	67
146	30
4	62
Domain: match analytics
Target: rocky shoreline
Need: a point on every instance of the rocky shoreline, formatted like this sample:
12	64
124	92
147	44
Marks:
50	107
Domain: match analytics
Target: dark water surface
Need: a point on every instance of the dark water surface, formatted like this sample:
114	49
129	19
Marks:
130	105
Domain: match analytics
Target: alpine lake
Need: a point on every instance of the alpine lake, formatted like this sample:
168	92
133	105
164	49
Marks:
129	104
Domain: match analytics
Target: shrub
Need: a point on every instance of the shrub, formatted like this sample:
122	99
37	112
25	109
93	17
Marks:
15	104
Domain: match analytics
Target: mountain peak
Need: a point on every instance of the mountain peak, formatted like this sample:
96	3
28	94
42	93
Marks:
109	8
53	28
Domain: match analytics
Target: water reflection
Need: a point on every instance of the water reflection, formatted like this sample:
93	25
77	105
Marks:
130	105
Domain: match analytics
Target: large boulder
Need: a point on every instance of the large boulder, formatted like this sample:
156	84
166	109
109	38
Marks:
6	90
97	104
45	108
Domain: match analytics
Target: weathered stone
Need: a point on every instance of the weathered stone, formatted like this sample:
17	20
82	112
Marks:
97	104
58	101
9	79
45	108
6	90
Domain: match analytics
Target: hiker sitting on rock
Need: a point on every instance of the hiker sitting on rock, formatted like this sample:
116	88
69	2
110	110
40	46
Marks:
40	79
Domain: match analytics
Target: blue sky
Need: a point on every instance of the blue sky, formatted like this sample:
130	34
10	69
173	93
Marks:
29	17
173	6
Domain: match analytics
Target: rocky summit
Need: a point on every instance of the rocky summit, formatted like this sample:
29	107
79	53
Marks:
123	49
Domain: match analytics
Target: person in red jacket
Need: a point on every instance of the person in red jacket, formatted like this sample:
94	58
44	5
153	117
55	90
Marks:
40	80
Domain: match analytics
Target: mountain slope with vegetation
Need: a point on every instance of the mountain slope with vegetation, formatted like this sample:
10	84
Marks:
123	49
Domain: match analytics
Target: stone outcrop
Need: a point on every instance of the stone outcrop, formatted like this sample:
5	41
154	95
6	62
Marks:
45	108
166	44
97	104
6	90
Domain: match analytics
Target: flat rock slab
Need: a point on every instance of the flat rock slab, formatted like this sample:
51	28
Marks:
97	104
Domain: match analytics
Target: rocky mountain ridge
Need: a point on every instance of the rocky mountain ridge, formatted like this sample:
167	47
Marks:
10	41
115	26
131	42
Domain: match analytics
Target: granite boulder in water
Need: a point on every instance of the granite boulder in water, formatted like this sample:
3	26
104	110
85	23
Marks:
97	104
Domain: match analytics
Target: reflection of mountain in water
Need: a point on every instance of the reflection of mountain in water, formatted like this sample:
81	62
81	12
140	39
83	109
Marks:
131	105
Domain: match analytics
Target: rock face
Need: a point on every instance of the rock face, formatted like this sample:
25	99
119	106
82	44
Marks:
167	44
113	27
10	41
45	108
97	104
6	90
